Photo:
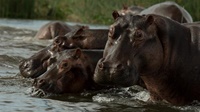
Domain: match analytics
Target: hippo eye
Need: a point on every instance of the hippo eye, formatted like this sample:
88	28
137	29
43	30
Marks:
138	34
57	41
64	65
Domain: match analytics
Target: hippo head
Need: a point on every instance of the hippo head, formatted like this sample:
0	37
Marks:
132	50
68	75
73	39
35	65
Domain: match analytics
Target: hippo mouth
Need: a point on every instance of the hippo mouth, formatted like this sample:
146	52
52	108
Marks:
126	77
45	88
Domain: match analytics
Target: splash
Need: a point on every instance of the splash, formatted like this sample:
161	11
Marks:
35	92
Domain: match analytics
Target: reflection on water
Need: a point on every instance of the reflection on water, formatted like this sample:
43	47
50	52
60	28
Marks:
17	43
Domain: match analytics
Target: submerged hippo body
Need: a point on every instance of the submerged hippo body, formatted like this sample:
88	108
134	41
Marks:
53	29
72	72
82	38
164	53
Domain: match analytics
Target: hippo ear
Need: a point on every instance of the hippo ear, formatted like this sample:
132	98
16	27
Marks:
80	30
79	34
150	20
115	15
77	53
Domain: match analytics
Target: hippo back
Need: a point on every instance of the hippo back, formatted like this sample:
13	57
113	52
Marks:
82	38
53	29
171	10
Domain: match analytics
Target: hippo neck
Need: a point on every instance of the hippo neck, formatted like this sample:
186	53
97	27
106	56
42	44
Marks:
178	79
97	38
175	40
94	56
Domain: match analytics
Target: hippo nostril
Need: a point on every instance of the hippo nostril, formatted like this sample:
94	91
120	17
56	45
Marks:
57	41
24	65
40	82
101	65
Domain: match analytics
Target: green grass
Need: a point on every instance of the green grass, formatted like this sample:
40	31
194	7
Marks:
84	11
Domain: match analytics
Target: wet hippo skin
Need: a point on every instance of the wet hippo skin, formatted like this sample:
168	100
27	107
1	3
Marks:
167	9
53	29
80	38
71	72
162	52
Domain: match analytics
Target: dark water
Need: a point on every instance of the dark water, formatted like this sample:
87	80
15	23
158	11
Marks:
17	43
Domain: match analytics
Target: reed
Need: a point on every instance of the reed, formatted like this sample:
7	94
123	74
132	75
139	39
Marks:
84	11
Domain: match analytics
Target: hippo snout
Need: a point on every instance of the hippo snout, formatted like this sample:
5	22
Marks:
31	68
42	84
23	64
103	73
25	68
113	70
101	64
109	73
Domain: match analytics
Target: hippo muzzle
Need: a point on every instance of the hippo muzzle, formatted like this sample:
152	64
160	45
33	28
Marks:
120	74
35	65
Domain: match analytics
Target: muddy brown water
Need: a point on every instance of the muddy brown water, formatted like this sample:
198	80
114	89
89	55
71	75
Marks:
17	43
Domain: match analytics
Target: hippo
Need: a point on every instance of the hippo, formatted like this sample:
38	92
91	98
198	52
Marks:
171	10
167	9
71	72
82	38
163	53
53	29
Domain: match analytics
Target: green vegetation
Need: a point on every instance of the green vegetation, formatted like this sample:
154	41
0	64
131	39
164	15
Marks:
17	8
84	11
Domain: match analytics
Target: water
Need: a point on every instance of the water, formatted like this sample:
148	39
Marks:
17	43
